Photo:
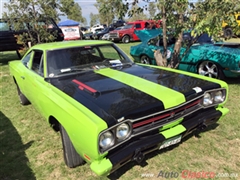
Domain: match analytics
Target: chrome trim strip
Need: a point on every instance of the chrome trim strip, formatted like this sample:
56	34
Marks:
130	121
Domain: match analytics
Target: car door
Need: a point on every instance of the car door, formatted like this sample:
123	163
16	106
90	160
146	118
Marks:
37	87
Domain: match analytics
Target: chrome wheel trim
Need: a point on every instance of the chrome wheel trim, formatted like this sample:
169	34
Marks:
145	60
208	68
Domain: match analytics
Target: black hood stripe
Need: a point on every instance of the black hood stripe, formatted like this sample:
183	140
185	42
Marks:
178	82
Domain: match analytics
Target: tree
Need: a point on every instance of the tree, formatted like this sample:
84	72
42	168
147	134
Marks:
32	13
93	19
115	8
106	15
203	16
72	10
137	13
152	8
85	23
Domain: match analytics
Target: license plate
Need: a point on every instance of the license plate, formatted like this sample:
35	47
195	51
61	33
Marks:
170	142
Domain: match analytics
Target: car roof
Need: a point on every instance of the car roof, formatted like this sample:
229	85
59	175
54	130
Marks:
68	44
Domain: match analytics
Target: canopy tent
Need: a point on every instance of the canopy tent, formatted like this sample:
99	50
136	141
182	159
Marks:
68	22
70	29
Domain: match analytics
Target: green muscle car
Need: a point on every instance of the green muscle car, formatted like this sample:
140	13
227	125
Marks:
110	110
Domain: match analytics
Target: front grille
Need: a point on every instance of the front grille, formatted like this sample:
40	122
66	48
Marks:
157	120
113	35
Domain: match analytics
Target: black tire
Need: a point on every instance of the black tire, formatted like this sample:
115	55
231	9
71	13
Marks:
210	69
23	100
145	59
228	33
126	39
71	157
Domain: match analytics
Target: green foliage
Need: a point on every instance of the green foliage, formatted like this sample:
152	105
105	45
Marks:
94	18
203	16
72	10
137	13
106	13
112	8
34	16
152	8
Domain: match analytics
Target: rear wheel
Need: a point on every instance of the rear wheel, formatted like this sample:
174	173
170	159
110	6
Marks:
23	100
210	69
71	157
126	39
145	59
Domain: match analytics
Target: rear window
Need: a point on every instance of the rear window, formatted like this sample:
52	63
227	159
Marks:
138	25
128	26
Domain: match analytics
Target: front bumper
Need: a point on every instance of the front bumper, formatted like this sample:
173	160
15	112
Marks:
236	71
138	147
115	39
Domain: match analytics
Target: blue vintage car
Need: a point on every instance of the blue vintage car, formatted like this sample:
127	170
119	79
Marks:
217	60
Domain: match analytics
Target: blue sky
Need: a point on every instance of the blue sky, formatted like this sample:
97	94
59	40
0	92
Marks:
86	5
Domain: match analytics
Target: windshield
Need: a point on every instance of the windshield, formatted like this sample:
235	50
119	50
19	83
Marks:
85	58
128	26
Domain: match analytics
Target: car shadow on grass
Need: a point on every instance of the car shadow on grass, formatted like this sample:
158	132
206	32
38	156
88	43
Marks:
232	80
13	160
118	173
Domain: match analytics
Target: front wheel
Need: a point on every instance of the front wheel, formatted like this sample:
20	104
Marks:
145	59
126	39
210	69
71	157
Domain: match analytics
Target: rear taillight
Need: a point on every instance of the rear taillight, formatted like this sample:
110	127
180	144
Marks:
61	34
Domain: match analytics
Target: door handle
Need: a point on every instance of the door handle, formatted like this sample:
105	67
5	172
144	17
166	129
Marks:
22	77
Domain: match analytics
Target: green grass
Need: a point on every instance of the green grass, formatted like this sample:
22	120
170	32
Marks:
30	149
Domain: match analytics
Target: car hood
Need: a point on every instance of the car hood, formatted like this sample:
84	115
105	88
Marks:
146	34
132	91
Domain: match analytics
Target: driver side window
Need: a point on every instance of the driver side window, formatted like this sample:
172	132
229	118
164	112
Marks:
26	59
37	64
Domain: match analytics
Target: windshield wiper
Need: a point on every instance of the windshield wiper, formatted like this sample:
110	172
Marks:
70	70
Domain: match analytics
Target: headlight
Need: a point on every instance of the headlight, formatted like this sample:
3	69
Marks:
122	131
106	140
218	97
207	99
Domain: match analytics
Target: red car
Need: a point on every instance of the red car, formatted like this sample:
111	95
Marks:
127	34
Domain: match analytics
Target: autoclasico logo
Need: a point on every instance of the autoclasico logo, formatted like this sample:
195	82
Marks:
186	174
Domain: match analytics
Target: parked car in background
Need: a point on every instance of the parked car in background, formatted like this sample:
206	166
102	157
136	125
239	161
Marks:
118	23
97	30
217	60
8	34
100	34
96	27
105	36
127	33
88	36
110	111
83	29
